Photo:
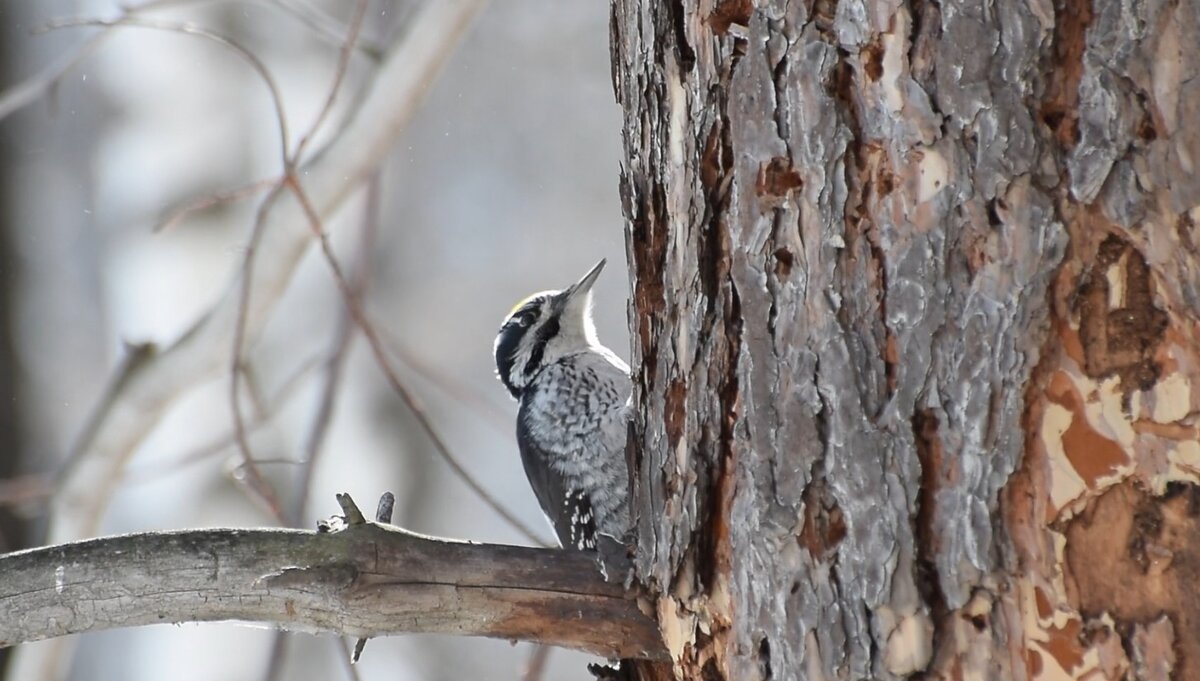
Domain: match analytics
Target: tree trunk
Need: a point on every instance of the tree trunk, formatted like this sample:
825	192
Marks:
915	323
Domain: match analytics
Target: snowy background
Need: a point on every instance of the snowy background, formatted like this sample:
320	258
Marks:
504	184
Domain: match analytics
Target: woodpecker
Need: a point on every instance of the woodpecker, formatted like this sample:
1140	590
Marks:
574	407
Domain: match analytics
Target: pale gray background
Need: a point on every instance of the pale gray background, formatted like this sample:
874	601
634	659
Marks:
506	183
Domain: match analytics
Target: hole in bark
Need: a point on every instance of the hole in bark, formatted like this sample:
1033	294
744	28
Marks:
1110	251
647	230
993	214
1064	127
842	84
885	181
1120	336
872	56
764	660
776	178
824	526
687	56
783	263
710	672
713	246
674	410
1146	130
1136	558
1190	492
929	453
1069	41
980	622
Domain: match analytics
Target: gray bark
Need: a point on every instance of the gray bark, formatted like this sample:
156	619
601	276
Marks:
848	230
366	580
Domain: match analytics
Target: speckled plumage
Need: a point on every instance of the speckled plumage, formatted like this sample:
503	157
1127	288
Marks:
571	425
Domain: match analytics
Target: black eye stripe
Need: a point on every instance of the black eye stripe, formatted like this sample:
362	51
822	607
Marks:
506	348
519	323
548	331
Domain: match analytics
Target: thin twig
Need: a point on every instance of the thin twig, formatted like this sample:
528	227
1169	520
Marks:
380	354
33	88
337	357
348	656
253	477
218	198
275	402
383	511
360	11
324	26
37	487
370	229
290	160
279	648
535	666
187	28
26	489
311	17
319	426
448	383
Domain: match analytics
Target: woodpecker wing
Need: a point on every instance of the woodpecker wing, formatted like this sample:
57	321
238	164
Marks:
569	511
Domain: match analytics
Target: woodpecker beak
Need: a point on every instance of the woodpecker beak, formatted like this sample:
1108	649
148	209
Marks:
581	287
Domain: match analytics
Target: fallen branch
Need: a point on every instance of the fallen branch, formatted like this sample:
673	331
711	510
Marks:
363	579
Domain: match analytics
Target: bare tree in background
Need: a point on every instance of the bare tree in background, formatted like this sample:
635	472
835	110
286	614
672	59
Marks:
915	328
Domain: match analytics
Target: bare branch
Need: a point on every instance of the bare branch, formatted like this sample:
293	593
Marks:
188	28
365	580
311	17
360	11
176	215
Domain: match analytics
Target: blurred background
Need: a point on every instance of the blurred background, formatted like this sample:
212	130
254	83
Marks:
505	183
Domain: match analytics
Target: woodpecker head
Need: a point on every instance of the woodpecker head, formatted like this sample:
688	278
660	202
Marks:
544	328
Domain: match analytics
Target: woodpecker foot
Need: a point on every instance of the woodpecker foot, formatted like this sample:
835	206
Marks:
604	672
614	559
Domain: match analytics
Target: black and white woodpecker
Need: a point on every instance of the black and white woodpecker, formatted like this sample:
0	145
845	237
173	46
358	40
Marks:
574	405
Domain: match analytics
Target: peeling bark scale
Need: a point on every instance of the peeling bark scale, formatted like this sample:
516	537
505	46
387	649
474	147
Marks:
915	332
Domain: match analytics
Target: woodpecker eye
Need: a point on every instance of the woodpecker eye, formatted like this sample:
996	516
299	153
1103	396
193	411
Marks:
521	320
526	312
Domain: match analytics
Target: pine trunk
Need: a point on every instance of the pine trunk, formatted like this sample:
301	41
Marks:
915	319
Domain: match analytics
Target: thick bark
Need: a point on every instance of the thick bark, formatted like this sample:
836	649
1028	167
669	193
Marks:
885	255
